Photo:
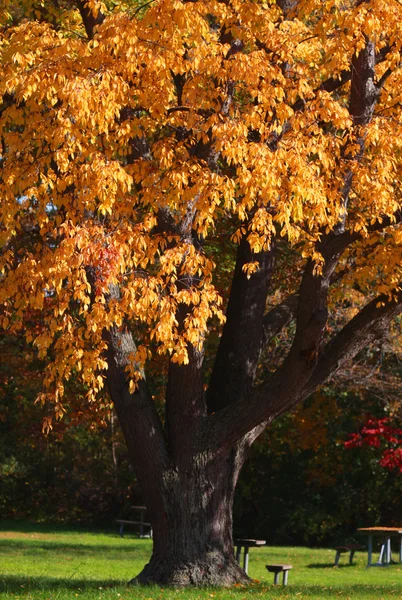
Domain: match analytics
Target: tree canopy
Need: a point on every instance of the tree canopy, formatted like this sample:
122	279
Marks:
124	154
147	151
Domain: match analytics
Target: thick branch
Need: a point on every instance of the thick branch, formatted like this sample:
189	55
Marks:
287	6
364	96
329	85
333	83
363	92
313	297
185	390
369	324
312	311
282	391
240	345
136	412
185	402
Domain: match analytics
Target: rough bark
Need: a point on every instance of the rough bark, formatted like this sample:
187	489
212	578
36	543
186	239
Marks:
364	94
287	5
195	546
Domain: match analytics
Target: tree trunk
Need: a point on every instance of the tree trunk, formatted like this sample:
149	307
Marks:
188	493
192	527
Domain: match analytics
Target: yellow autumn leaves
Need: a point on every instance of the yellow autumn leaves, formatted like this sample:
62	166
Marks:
128	152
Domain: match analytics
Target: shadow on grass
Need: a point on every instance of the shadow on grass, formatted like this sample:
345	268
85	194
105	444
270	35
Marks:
25	585
329	566
31	546
30	527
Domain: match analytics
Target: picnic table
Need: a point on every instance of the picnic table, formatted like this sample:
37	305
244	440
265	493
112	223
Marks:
385	534
143	524
246	544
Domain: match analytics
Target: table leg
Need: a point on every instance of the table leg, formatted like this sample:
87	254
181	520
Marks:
381	557
370	550
388	557
400	549
246	560
238	554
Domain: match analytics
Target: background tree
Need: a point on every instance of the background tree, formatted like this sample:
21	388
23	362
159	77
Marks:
79	473
132	142
285	494
302	485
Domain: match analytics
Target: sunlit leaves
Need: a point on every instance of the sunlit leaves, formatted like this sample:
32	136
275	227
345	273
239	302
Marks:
121	156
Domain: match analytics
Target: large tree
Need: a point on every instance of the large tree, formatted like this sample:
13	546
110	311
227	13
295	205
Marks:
147	149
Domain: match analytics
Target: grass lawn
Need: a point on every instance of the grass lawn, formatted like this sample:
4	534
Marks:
50	563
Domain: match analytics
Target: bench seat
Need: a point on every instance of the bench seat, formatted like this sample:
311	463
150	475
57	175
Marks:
276	569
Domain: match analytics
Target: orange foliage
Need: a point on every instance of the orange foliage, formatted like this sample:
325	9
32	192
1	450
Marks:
101	138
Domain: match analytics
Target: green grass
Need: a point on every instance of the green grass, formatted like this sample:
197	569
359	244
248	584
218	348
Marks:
49	563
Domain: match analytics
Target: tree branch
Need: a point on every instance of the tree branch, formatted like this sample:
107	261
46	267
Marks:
363	91
241	342
287	6
137	416
381	82
368	325
312	314
89	20
136	411
185	401
363	100
282	390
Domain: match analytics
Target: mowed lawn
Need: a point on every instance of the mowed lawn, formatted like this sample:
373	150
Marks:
41	562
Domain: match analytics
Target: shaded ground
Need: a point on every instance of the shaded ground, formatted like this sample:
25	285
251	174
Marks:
45	563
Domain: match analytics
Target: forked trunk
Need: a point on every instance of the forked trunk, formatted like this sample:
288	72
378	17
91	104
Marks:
188	488
192	525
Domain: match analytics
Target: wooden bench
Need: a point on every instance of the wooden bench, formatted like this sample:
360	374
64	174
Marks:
347	548
276	569
142	524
